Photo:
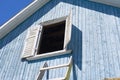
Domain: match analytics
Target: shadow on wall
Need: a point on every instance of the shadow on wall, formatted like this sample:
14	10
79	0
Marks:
37	15
76	38
76	46
102	8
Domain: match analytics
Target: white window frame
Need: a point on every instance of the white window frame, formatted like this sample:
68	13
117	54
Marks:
66	39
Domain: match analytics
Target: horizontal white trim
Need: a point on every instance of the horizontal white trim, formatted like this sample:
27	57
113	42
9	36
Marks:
21	16
57	78
50	54
115	3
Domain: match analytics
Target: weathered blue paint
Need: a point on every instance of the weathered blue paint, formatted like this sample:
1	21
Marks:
95	43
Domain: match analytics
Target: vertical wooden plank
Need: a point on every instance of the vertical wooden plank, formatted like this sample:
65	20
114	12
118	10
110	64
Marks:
100	42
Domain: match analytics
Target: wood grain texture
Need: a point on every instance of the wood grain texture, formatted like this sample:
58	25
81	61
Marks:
95	43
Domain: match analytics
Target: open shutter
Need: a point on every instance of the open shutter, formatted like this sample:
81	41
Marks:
31	41
68	29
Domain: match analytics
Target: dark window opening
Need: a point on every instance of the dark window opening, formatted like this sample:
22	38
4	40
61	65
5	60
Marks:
52	38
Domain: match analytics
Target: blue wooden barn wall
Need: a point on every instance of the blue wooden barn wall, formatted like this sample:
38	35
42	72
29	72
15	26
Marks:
95	43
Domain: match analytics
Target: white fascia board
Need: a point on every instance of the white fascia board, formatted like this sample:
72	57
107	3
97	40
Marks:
115	3
21	16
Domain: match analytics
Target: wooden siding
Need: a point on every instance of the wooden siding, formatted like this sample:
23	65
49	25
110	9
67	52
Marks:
95	43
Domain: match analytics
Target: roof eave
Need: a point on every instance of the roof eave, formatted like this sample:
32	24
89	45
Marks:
21	16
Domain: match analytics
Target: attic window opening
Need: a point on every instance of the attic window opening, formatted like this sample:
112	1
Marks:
48	38
52	38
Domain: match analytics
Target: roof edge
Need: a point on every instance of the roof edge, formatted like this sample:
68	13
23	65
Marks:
21	16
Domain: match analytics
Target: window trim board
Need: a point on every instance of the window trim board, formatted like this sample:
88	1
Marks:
53	21
49	54
68	27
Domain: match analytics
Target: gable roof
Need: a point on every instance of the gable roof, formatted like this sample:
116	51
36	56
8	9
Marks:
21	16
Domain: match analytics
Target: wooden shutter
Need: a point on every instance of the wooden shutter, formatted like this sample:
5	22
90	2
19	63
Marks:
68	30
31	41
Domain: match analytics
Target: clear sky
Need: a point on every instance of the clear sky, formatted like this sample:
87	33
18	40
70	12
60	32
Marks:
9	8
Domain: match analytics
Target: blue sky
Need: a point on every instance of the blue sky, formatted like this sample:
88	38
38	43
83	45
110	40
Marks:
9	8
